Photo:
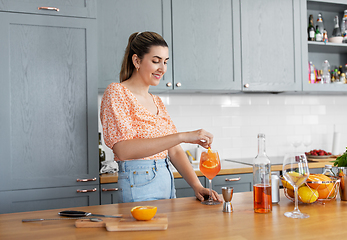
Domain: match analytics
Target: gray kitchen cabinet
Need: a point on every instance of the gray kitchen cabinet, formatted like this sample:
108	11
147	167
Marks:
206	45
271	45
183	189
117	20
109	193
48	198
240	182
318	52
48	102
75	8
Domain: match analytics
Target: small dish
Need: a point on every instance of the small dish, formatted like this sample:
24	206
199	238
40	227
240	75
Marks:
335	39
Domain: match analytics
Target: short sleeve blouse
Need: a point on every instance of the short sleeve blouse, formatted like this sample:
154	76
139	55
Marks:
124	118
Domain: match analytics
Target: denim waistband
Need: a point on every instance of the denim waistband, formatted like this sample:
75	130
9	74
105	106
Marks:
129	165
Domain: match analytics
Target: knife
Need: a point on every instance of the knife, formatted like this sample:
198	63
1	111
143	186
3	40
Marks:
44	219
72	213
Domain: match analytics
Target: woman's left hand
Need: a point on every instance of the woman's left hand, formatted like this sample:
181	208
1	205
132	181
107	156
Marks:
201	192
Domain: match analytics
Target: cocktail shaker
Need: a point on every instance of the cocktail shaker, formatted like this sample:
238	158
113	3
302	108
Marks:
227	193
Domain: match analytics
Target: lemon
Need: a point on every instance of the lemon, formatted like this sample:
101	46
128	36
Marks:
287	185
143	212
307	194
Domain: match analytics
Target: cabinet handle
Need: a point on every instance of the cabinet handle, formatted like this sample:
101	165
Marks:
246	85
178	84
169	84
109	189
232	179
48	8
86	180
87	190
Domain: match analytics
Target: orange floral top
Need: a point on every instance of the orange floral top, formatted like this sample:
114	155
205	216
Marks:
124	118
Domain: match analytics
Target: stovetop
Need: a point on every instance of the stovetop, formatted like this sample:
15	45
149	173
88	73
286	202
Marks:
249	161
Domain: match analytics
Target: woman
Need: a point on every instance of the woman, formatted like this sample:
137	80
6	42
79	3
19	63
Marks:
139	130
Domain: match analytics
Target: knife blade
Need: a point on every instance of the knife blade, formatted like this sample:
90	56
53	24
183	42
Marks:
72	213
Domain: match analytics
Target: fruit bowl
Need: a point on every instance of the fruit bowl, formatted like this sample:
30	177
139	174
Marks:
317	188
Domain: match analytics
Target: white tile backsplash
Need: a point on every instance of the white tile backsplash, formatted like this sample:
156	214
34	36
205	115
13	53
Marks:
236	119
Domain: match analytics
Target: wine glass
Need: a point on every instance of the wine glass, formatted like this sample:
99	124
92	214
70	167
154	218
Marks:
295	171
210	167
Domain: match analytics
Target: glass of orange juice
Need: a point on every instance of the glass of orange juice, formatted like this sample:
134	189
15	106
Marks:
210	167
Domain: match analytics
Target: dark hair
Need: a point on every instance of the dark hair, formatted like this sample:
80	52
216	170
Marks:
139	43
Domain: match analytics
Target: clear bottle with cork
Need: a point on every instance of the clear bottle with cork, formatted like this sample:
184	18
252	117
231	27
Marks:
262	179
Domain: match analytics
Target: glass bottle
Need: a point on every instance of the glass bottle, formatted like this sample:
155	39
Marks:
318	35
336	31
328	171
326	72
262	179
320	24
310	30
102	156
344	27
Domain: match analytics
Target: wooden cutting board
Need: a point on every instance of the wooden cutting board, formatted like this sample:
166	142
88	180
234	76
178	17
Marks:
127	223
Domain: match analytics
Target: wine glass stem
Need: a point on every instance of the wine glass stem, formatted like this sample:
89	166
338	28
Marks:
296	208
210	191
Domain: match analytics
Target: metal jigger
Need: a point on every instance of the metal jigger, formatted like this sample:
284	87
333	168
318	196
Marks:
227	193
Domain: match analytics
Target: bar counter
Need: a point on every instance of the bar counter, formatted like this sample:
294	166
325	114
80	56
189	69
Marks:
189	219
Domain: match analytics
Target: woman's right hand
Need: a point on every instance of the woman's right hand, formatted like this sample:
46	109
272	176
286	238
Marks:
200	137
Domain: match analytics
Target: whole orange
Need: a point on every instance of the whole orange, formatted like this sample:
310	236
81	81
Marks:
143	213
326	192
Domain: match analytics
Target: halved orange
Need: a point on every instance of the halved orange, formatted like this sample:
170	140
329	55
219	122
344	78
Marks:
143	213
209	163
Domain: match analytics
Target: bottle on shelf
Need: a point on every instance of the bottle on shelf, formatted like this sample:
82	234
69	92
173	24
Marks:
320	25
325	36
344	27
318	35
345	69
340	69
343	78
310	30
311	73
328	171
326	72
336	31
262	179
319	76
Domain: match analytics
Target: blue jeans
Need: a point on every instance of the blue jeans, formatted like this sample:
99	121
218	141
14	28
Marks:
145	180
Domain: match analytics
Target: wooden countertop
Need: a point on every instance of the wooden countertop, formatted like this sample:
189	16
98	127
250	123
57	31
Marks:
189	219
227	168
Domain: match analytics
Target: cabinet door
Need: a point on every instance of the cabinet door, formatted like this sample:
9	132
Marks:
75	8
109	193
240	182
48	198
206	45
183	189
117	20
48	101
271	47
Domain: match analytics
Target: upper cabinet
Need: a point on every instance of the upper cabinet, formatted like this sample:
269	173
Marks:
206	45
317	52
117	20
271	45
75	8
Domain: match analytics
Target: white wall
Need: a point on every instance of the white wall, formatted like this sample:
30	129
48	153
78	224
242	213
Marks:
236	119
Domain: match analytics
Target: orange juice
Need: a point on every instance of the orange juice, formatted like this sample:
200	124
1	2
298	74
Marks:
210	164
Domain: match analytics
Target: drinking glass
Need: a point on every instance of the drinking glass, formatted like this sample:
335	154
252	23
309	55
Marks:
295	171
210	167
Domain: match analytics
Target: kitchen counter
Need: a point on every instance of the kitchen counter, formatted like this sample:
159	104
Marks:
189	219
228	167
